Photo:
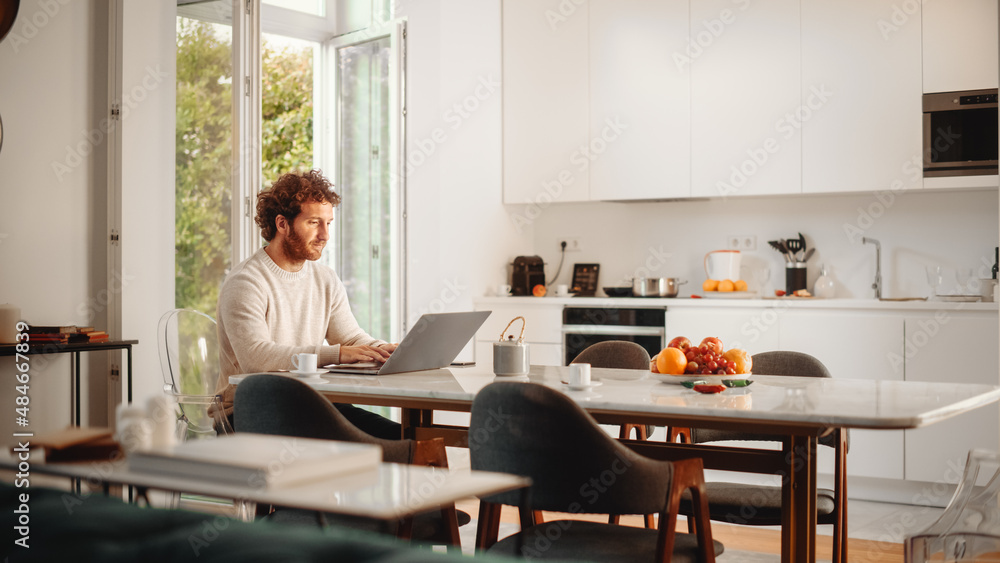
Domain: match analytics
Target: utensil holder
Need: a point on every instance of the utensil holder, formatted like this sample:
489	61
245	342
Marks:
795	277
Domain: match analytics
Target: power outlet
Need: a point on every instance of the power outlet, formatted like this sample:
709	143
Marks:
741	242
572	244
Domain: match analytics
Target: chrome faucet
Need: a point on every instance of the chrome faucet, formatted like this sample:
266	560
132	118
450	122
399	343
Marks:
877	286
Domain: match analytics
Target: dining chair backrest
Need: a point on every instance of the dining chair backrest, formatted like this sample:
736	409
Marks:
188	345
284	406
531	430
780	362
969	527
620	354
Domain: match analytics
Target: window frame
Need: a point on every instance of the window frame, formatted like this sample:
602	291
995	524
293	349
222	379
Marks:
395	31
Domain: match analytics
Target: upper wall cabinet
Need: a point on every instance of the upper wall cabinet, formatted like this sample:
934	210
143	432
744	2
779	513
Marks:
745	89
640	96
545	101
959	43
861	100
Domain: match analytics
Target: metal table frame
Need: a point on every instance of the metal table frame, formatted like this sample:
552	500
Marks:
75	349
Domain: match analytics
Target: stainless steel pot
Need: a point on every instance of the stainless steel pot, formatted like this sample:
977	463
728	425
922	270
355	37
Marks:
656	287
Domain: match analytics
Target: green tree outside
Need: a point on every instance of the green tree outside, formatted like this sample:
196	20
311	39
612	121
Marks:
204	147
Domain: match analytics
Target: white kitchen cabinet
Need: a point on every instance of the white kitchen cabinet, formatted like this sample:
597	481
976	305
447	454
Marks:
640	146
745	83
951	347
959	43
861	115
545	101
853	344
754	330
542	332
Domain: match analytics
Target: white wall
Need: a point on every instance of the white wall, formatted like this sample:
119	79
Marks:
52	193
53	198
148	89
460	235
951	229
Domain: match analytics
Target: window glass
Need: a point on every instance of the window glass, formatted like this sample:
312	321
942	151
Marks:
203	161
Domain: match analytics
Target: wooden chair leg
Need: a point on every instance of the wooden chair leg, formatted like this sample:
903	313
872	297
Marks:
680	434
688	475
488	528
840	499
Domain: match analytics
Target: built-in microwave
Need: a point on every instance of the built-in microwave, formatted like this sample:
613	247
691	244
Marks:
960	133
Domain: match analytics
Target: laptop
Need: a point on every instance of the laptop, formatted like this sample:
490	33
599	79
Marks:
434	342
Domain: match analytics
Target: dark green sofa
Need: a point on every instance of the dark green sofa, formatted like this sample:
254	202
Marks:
67	527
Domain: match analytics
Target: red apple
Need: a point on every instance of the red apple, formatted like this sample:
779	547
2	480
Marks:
680	342
712	343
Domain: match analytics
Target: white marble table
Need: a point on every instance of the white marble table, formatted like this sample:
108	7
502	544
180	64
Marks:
392	492
801	408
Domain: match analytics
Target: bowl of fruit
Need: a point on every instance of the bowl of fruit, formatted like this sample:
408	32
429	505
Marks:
709	362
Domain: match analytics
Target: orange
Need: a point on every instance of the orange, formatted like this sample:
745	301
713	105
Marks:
726	285
538	290
671	361
710	285
742	362
740	285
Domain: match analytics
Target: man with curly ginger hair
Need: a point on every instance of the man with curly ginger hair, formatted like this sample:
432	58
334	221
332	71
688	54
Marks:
279	302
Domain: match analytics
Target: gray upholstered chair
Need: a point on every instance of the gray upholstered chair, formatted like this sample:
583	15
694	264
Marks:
618	354
576	467
284	406
760	505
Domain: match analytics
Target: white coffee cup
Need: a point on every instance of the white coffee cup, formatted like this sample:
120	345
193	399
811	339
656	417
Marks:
503	290
161	412
579	375
562	290
305	363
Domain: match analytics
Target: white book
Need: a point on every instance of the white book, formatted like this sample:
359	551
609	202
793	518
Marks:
257	460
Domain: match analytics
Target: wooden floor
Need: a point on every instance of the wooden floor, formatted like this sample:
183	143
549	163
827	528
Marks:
738	538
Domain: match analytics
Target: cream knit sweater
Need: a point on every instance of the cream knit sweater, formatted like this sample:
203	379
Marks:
266	314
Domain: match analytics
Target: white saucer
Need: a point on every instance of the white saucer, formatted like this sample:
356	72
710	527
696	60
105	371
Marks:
581	387
307	374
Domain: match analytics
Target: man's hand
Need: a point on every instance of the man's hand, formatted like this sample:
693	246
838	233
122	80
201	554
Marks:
354	354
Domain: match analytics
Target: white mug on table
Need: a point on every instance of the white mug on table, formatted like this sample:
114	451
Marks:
304	363
562	290
579	375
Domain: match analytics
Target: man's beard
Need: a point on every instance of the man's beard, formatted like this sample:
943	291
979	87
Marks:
296	248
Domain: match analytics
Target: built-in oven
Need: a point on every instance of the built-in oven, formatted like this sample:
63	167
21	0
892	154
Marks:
960	133
584	326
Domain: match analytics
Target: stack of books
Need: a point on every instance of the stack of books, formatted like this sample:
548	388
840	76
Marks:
257	460
71	334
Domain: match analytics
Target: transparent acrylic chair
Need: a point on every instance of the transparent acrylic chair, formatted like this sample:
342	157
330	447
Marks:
188	344
969	528
189	357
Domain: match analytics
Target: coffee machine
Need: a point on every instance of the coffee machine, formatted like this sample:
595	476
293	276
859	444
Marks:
528	272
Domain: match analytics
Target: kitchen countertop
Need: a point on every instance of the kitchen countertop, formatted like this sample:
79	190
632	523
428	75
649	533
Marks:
688	302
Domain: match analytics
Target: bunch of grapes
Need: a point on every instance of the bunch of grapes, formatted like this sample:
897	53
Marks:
705	360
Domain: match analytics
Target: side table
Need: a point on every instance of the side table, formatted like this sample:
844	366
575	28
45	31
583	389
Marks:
75	349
